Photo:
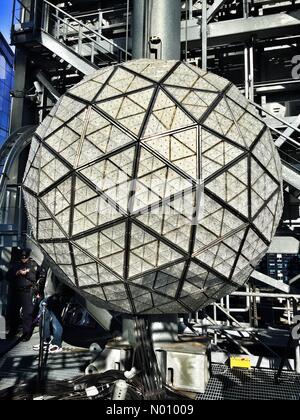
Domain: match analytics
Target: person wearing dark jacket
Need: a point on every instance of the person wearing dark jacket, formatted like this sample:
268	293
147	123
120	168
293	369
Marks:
24	277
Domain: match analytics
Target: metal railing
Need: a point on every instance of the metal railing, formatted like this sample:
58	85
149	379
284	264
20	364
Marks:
26	16
289	302
288	158
10	149
85	41
22	12
10	196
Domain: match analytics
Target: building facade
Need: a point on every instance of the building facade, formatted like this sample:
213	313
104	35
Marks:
6	85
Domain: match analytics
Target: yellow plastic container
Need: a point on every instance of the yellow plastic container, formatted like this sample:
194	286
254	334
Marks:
241	362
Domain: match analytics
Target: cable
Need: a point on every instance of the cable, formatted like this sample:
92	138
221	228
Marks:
147	362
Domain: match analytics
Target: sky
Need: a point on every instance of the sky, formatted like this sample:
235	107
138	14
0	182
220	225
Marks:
5	17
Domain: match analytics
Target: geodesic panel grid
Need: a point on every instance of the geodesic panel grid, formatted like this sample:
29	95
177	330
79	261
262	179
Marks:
153	187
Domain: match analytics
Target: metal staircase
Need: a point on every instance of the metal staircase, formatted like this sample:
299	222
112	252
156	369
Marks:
288	148
77	43
65	36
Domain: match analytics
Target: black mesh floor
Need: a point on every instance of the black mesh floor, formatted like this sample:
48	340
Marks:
255	384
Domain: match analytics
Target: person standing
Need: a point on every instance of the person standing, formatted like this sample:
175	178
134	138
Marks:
51	314
24	277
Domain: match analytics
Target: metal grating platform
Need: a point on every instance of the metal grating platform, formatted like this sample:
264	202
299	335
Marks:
21	363
254	384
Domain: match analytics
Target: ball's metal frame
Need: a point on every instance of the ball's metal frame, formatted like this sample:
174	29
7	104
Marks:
130	218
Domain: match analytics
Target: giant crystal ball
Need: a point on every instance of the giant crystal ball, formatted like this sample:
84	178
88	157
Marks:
117	170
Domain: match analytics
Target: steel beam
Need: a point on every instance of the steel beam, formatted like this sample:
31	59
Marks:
284	245
291	177
204	34
67	54
102	316
288	132
241	30
269	281
43	79
20	114
214	8
267	295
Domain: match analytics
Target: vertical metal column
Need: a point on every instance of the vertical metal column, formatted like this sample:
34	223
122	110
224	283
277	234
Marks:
20	215
127	28
297	347
249	60
204	35
20	113
138	29
2	323
190	9
297	358
160	19
251	77
246	53
246	65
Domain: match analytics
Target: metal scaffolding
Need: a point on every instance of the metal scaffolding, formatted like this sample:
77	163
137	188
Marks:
253	44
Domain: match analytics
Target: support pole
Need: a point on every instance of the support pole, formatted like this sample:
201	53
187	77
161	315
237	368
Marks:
297	347
20	114
127	29
204	35
159	19
190	9
246	61
297	358
246	52
251	81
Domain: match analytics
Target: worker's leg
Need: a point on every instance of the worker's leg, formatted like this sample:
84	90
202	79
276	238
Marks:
13	311
27	306
57	331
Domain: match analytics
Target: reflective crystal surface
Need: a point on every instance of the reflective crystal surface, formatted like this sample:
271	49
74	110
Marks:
153	187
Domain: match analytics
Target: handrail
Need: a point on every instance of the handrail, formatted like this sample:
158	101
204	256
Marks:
86	27
103	51
23	6
10	149
96	12
275	117
291	166
288	138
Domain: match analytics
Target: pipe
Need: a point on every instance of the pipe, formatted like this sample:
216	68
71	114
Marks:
160	20
238	310
267	295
